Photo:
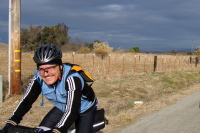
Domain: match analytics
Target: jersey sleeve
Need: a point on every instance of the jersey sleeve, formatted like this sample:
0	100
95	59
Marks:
32	92
73	87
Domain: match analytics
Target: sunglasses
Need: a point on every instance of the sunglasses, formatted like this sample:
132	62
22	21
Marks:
47	69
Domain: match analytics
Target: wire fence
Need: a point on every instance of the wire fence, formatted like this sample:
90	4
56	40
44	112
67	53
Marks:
116	64
112	65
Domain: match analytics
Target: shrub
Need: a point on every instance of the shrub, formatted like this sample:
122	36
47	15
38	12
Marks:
84	49
102	49
197	52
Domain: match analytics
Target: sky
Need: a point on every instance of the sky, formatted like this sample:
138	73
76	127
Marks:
151	25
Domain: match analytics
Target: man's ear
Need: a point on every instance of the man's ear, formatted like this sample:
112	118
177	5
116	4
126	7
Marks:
61	67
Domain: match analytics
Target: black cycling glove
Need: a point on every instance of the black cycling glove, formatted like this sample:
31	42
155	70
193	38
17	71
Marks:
7	127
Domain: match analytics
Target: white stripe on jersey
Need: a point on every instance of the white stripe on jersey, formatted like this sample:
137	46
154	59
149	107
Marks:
70	98
25	95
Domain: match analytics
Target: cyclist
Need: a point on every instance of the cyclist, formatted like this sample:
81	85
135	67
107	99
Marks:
64	91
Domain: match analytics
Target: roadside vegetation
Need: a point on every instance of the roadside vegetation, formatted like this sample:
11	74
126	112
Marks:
116	92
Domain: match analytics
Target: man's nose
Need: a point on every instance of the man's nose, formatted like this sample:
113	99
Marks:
46	72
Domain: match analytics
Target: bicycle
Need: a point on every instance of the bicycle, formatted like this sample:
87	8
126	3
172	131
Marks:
99	123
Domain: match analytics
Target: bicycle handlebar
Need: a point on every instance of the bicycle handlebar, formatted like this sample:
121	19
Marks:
20	129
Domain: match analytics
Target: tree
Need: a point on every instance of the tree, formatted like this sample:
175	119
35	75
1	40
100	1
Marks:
47	35
31	38
198	51
61	34
55	34
134	50
89	45
174	51
38	35
73	45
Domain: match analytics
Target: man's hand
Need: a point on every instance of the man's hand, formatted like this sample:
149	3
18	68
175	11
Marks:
6	127
1	131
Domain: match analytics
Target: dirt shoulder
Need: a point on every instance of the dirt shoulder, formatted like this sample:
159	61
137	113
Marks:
183	111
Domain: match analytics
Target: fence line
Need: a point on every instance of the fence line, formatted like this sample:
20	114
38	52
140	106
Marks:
130	63
113	65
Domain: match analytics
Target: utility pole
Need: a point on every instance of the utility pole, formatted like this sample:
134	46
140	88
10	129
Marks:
14	47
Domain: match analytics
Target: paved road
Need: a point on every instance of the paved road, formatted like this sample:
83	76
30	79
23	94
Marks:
181	117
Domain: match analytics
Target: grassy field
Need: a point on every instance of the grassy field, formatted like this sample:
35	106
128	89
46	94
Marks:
117	90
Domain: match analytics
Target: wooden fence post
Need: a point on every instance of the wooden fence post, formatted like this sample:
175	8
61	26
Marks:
144	63
135	65
175	63
191	62
155	63
169	64
184	63
1	89
73	54
197	61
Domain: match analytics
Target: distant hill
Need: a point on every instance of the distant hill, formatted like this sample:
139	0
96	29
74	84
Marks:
181	50
3	47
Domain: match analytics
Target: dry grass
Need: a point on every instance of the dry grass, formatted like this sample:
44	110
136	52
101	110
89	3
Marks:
116	92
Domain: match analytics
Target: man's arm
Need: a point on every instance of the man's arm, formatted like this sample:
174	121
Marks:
73	104
30	96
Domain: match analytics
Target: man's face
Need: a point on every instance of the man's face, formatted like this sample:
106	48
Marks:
50	73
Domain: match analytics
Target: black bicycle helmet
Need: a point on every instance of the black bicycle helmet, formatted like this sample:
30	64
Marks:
47	54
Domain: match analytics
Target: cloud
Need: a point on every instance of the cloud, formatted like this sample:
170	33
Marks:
111	8
157	24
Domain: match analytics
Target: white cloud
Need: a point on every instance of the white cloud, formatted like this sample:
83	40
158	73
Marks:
111	8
